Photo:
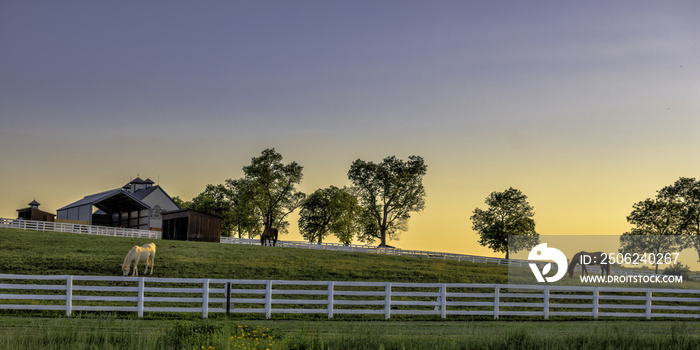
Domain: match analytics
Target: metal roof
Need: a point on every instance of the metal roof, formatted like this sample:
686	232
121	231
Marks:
142	193
113	201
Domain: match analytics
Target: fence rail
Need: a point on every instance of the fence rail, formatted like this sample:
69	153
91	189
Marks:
427	254
329	298
78	228
136	233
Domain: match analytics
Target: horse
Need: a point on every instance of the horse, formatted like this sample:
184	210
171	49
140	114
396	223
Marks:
146	252
269	235
594	258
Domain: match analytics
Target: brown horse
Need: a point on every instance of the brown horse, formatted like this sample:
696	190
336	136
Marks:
586	258
269	235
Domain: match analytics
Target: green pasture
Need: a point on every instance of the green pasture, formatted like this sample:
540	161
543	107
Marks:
52	253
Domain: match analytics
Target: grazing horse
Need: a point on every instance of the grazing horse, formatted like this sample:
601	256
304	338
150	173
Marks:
594	258
269	235
146	252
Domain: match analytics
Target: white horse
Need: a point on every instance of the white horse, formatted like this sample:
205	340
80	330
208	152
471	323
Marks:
145	252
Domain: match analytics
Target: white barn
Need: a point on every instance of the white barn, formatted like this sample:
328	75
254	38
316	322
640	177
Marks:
137	204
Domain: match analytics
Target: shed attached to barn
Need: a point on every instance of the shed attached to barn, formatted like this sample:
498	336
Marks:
191	225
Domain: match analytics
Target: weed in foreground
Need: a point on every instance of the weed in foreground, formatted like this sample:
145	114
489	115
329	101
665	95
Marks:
205	335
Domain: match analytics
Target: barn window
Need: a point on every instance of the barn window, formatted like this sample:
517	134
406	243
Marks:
155	212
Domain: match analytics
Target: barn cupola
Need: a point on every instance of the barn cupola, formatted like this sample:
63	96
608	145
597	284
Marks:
34	204
138	184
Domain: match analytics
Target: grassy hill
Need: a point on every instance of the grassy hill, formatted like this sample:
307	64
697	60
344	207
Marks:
52	253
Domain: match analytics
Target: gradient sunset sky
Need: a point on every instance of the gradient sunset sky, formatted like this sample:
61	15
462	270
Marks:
587	107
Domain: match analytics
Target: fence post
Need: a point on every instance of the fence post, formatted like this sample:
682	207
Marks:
595	303
228	298
268	300
140	297
205	298
330	299
387	300
496	297
648	306
69	295
443	301
546	302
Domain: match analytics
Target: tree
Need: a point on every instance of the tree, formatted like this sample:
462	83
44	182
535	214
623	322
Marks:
180	203
269	187
215	201
656	229
685	193
388	193
509	214
328	210
243	215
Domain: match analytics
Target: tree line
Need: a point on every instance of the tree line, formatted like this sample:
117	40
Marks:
376	207
383	195
667	223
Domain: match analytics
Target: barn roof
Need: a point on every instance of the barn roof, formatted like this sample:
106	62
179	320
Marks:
113	201
142	193
137	180
185	212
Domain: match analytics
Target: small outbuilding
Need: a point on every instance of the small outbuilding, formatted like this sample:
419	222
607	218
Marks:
33	213
191	225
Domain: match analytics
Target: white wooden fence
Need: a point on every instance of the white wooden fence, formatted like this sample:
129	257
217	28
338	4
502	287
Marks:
45	226
206	296
339	247
136	233
428	255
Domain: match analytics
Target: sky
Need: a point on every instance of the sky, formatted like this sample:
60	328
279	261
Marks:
586	107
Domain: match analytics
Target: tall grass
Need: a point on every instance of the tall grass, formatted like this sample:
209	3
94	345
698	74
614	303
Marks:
76	333
514	339
498	335
49	334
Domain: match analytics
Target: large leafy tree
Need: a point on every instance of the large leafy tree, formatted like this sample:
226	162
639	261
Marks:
269	187
685	193
388	193
180	203
328	210
508	214
656	223
243	214
215	201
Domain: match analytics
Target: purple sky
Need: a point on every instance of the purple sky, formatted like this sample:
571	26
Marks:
573	103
